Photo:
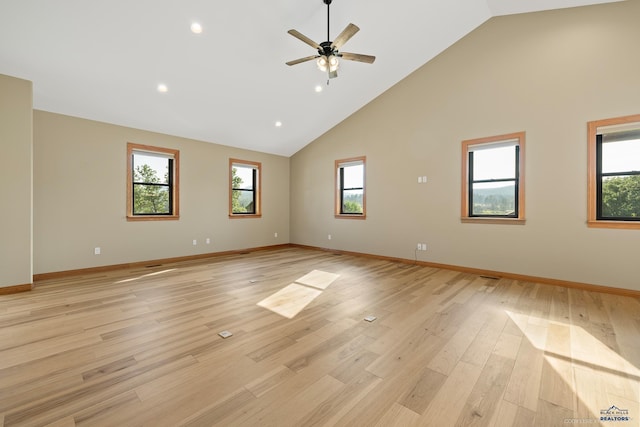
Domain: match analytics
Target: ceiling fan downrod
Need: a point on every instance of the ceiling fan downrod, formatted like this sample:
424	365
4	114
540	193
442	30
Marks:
328	2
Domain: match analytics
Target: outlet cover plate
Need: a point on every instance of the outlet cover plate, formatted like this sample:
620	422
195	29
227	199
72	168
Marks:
225	334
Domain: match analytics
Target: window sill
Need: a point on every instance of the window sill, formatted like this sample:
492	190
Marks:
341	216
509	221
630	225
236	216
153	218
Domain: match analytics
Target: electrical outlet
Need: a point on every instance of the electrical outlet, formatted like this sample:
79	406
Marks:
195	242
329	237
419	246
96	251
275	235
207	241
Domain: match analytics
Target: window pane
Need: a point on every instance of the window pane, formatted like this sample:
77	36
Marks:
243	201
494	163
150	168
243	177
352	201
621	156
353	176
150	199
621	197
494	198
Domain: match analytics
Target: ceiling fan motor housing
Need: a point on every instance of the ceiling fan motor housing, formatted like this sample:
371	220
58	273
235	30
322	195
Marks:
326	49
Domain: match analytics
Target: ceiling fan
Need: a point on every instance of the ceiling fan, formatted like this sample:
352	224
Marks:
328	51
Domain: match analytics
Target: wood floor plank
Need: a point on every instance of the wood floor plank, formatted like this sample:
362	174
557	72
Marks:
340	403
140	347
427	385
557	382
487	392
269	380
504	415
399	416
450	400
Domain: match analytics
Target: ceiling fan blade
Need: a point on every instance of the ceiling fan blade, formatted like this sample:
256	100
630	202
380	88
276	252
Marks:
304	38
344	36
357	57
305	59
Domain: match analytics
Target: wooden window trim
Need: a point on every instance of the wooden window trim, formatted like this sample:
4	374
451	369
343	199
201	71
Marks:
464	204
592	202
337	209
258	210
131	148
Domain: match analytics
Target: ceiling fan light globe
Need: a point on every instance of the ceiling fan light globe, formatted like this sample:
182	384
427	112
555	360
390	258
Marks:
333	63
328	63
322	63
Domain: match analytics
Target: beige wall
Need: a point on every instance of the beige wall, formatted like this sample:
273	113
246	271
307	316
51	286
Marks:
80	202
547	74
15	181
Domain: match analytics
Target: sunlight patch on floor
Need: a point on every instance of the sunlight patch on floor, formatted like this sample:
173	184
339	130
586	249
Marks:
293	298
290	300
318	279
598	375
155	273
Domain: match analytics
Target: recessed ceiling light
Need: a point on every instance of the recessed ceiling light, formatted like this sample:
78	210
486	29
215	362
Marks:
318	88
278	124
196	28
162	88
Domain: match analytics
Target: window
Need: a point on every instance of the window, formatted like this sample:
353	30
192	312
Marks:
244	197
350	188
614	173
152	183
493	179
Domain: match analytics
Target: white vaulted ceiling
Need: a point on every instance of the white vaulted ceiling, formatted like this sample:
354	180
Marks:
103	60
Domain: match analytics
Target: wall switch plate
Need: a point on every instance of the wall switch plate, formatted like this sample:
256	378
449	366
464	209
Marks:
419	180
225	334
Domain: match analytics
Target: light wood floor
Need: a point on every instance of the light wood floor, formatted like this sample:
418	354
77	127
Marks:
140	347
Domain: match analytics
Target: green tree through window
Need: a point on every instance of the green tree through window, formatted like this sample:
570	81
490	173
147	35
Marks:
244	192
350	199
621	197
236	182
150	194
618	174
152	183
